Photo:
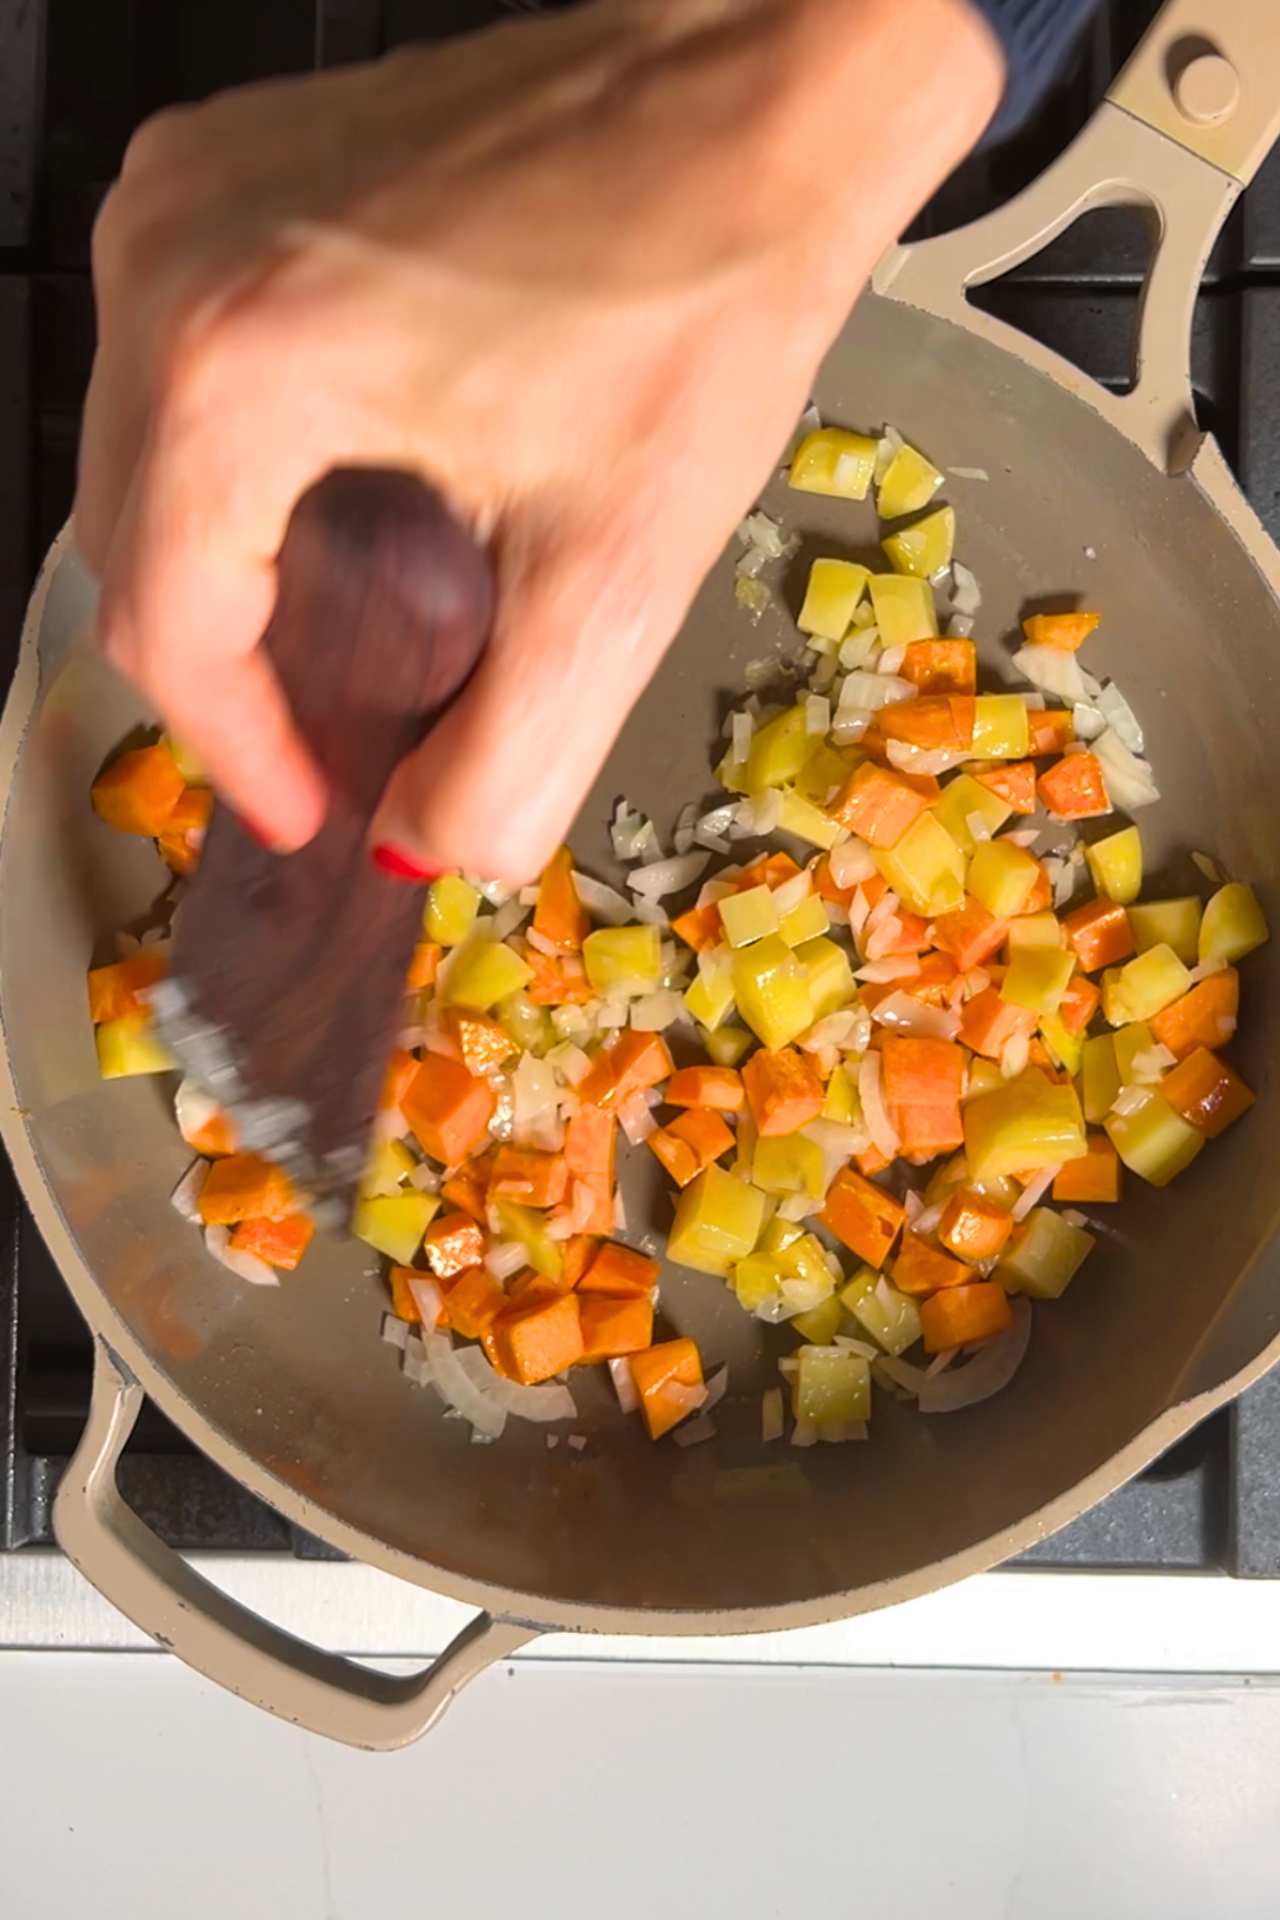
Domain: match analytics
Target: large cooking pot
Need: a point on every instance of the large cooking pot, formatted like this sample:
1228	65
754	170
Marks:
292	1391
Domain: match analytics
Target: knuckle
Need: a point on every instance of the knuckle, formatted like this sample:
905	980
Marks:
156	143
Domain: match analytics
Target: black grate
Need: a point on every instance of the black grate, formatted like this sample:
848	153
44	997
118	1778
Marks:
75	77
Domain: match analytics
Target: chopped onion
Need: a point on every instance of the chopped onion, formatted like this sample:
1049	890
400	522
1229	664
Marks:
860	912
851	862
636	1118
716	1385
1152	1064
714	842
1121	718
990	1370
884	1135
867	692
688	1399
697	1431
1205	971
246	1266
540	943
1130	1100
833	1030
1128	779
772	1424
1035	1190
817	713
959	626
624	1386
1022	836
759	531
509	918
929	1218
682	838
880	972
837	1431
529	896
428	1299
905	1014
602	901
860	648
536	1120
1014	1055
740	734
395	1331
792	892
661	877
804	1434
888	447
505	1258
1053	671
966	595
539	1404
796	1207
458	1388
1087	723
969	473
891	660
1208	866
185	1198
766	810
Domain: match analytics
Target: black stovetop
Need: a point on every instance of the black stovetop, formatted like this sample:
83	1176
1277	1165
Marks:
75	77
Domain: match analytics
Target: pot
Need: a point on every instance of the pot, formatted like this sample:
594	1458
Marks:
1119	498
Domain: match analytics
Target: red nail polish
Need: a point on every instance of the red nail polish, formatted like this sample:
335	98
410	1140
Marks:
257	834
401	867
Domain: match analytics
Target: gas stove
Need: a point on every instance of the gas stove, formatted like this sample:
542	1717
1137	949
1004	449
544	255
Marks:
76	76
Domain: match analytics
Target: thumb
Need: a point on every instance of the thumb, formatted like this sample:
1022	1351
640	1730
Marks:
496	785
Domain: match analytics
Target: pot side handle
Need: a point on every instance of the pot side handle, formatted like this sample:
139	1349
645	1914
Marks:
155	1588
1185	126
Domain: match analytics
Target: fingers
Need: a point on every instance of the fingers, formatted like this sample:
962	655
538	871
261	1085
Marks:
496	785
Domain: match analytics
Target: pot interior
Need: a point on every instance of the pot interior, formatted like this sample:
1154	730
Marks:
296	1380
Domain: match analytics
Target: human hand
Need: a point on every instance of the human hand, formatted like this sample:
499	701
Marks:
577	273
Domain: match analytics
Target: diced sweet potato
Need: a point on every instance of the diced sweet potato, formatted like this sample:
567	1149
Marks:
424	966
448	1109
718	1087
482	1044
540	1337
281	1243
937	723
1014	781
673	1364
244	1186
116	990
559	916
862	1216
1079	1003
473	1303
783	1091
452	1243
921	1269
1094	1179
970	934
988	1023
1052	730
633	1063
534	1178
1063	630
559	980
613	1327
877	805
467	1187
973	1227
961	1316
1074	788
1206	1092
138	792
619	1271
941	666
1204	1017
1100	934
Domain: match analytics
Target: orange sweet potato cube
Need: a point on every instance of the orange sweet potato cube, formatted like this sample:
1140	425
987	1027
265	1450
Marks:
1205	1017
970	934
783	1091
718	1087
988	1023
877	805
532	1177
655	1372
1074	788
941	666
244	1186
482	1044
1100	934
1014	781
115	991
960	1316
973	1227
619	1271
473	1303
862	1216
448	1109
540	1337
1094	1179
138	792
281	1243
922	1269
452	1243
1206	1092
614	1327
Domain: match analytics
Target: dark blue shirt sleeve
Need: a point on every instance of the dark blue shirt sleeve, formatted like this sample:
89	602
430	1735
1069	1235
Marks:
1037	36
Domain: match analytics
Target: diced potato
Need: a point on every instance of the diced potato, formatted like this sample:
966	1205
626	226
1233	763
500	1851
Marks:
925	868
826	767
390	1163
831	1385
771	988
1232	927
829	979
710	996
808	921
963	799
718	1221
808	822
833	462
626	960
482	973
891	1318
394	1223
1037	978
130	1045
842	1103
1001	730
910	483
821	1323
805	1258
451	909
984	1077
1034	930
757	1281
1099	1077
834	590
1045	1256
1026	1124
1116	865
788	1163
926	547
1171	923
778	752
1144	987
905	609
1001	876
748	916
1154	1141
1066	1048
528	1226
725	1045
528	1025
1130	1041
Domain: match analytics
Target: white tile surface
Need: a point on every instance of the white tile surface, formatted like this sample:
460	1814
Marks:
131	1790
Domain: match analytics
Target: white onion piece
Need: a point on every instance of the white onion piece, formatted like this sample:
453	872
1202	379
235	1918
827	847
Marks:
969	473
1014	1055
624	1386
509	918
428	1299
860	913
1022	836
682	838
636	1118
891	660
852	862
1128	779
990	1370
817	713
505	1258
1152	1064
759	531
966	595
1121	718
193	1109
1130	1100
796	1207
540	943
395	1331
246	1266
540	1404
959	626
536	1120
185	1198
458	1388
881	972
741	728
604	902
905	1014
716	1385
867	692
1205	971
861	648
1033	1193
888	447
1087	723
792	892
833	1030
804	1434
688	1399
929	1218
661	877
697	1432
928	760
882	940
1053	671
874	1111
772	1423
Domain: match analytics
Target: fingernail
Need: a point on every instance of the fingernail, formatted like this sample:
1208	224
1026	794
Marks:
401	866
257	834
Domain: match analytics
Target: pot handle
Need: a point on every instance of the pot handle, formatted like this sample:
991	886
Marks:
1184	128
156	1589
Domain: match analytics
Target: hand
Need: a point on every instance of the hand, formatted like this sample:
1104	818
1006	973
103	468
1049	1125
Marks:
578	273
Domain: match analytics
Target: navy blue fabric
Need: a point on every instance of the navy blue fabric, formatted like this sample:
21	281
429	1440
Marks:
1037	36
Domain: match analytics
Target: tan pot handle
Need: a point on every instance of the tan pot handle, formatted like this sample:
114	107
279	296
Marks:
156	1589
1185	126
